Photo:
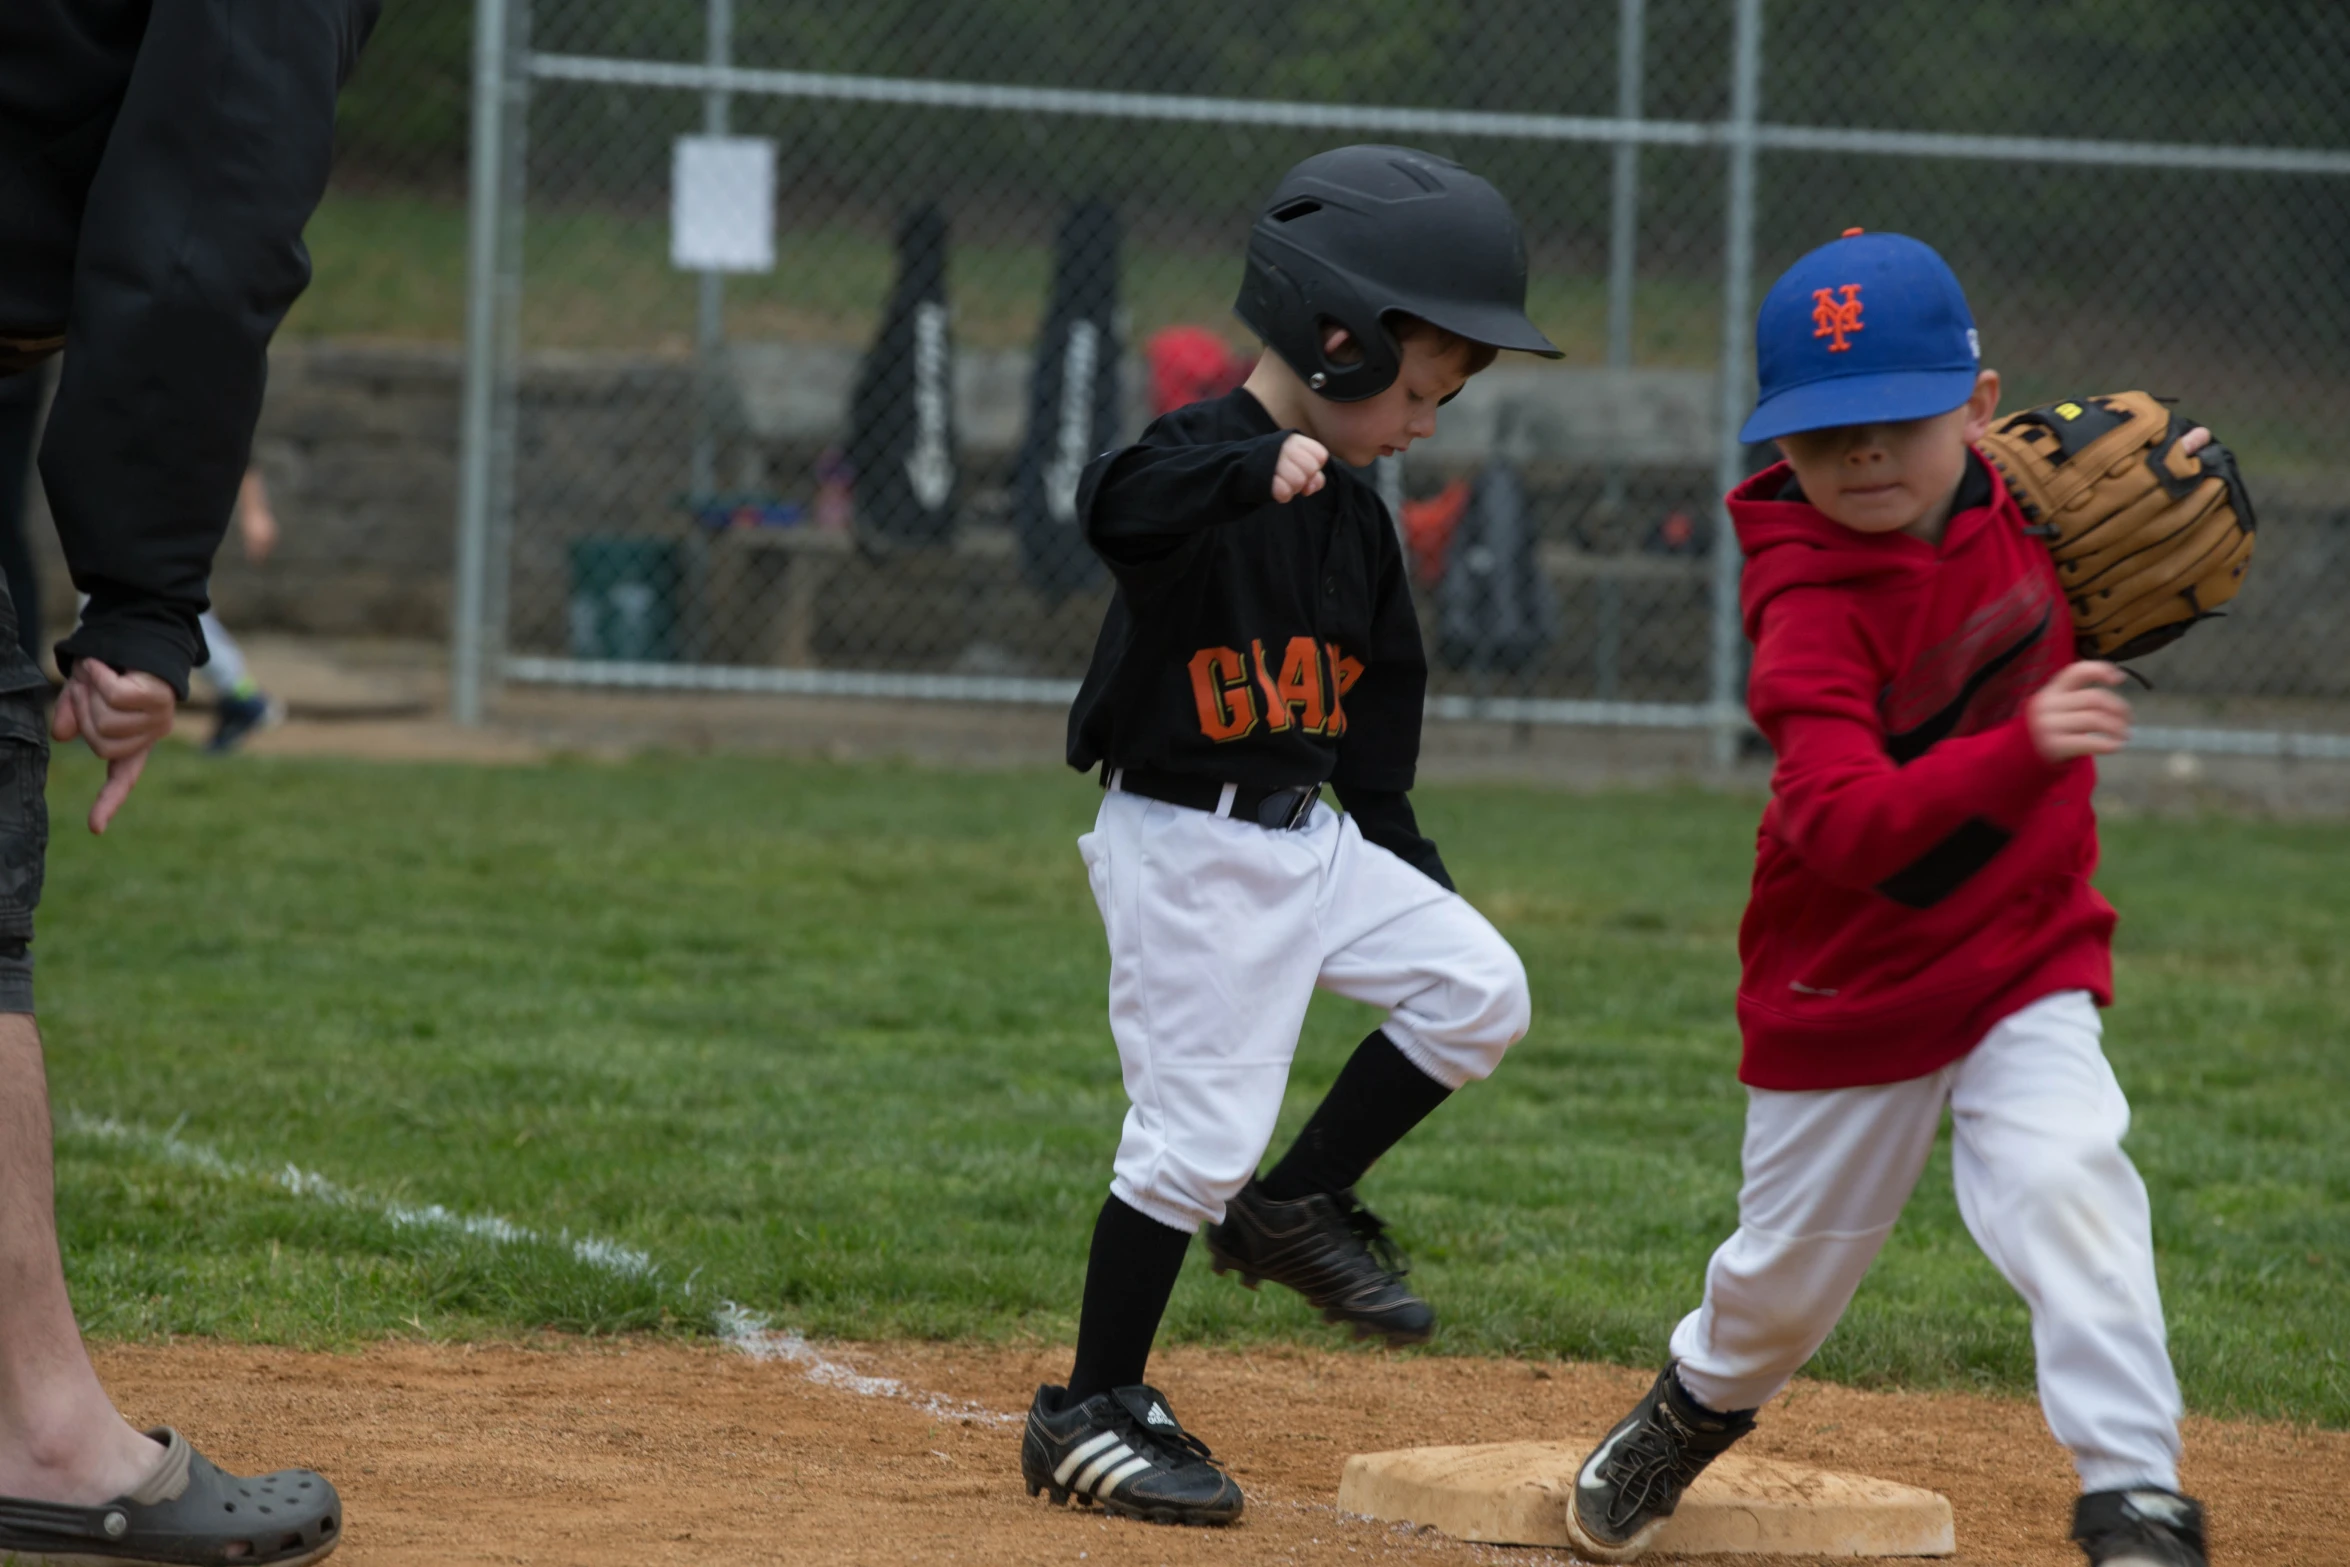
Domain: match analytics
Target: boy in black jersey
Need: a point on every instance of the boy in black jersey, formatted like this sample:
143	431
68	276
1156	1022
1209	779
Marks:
1261	646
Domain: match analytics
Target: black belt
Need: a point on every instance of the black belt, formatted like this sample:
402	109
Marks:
1278	809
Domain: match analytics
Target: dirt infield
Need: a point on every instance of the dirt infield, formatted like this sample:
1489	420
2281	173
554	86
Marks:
593	1454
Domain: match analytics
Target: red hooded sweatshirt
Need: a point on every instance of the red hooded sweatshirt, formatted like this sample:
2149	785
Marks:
1921	873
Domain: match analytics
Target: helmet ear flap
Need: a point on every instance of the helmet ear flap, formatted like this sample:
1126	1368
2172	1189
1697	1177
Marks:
1292	308
1373	357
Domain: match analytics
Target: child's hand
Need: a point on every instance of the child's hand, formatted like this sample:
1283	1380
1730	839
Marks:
1299	472
2076	715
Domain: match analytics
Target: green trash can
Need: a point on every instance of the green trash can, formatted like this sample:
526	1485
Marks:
624	595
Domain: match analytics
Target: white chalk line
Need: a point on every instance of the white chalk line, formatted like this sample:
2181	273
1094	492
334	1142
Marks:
744	1331
749	1333
611	1257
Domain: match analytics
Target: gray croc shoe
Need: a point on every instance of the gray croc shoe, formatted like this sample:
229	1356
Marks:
188	1513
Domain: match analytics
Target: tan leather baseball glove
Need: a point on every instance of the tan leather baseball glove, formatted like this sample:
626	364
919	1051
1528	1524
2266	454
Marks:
2148	540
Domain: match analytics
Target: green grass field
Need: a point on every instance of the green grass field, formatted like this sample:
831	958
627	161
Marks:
828	1041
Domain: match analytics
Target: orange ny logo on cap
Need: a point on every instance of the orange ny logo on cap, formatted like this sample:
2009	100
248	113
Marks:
1833	317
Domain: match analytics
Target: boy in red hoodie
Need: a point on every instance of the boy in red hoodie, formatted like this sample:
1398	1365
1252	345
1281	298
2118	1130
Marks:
1922	933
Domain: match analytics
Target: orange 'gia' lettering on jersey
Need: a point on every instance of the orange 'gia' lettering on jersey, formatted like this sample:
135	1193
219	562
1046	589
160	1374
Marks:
1276	710
1344	672
1219	684
1348	670
1833	318
1300	683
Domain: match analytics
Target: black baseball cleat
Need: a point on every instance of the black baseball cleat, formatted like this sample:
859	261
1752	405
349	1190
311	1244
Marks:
1124	1450
1633	1480
2144	1527
1330	1249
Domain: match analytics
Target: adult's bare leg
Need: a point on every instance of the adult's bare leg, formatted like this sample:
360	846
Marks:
60	1437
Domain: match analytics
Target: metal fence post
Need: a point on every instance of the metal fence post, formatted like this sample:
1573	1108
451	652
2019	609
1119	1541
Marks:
476	435
1624	196
506	363
710	286
1623	245
1737	328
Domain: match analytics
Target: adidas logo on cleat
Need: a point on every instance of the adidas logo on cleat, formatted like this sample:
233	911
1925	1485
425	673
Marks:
1159	1416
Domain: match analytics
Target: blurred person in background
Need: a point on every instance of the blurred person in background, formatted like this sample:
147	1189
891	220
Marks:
157	165
244	706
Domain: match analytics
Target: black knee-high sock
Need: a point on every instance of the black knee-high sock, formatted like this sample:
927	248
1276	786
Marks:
1128	1277
1378	1097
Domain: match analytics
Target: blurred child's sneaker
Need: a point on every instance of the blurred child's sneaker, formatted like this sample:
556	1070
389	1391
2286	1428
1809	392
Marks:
242	712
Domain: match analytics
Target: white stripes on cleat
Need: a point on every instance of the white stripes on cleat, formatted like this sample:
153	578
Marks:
1100	1465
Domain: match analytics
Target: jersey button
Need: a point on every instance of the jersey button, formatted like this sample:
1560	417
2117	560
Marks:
1330	587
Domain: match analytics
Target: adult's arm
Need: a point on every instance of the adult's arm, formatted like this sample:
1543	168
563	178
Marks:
189	255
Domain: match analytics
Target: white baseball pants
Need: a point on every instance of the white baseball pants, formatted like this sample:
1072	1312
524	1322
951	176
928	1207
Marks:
1220	931
226	668
2045	1189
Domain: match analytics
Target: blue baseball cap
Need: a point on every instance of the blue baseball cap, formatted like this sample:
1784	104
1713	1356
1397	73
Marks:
1867	328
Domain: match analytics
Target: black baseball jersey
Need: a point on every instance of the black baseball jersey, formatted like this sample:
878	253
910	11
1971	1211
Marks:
1262	644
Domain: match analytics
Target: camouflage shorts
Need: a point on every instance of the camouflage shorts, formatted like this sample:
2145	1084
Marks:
24	838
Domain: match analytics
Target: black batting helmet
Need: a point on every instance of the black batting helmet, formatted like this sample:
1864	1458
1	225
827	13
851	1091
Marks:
1358	234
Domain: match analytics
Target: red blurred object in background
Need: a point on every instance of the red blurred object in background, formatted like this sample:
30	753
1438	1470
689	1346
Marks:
1428	527
1190	364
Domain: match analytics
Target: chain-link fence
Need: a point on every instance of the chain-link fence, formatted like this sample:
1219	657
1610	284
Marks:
789	328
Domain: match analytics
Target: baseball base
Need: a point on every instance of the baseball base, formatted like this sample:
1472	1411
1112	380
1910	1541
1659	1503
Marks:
1516	1493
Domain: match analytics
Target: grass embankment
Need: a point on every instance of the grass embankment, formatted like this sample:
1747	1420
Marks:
393	266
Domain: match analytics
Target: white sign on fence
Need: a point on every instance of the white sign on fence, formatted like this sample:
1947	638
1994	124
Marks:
722	204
